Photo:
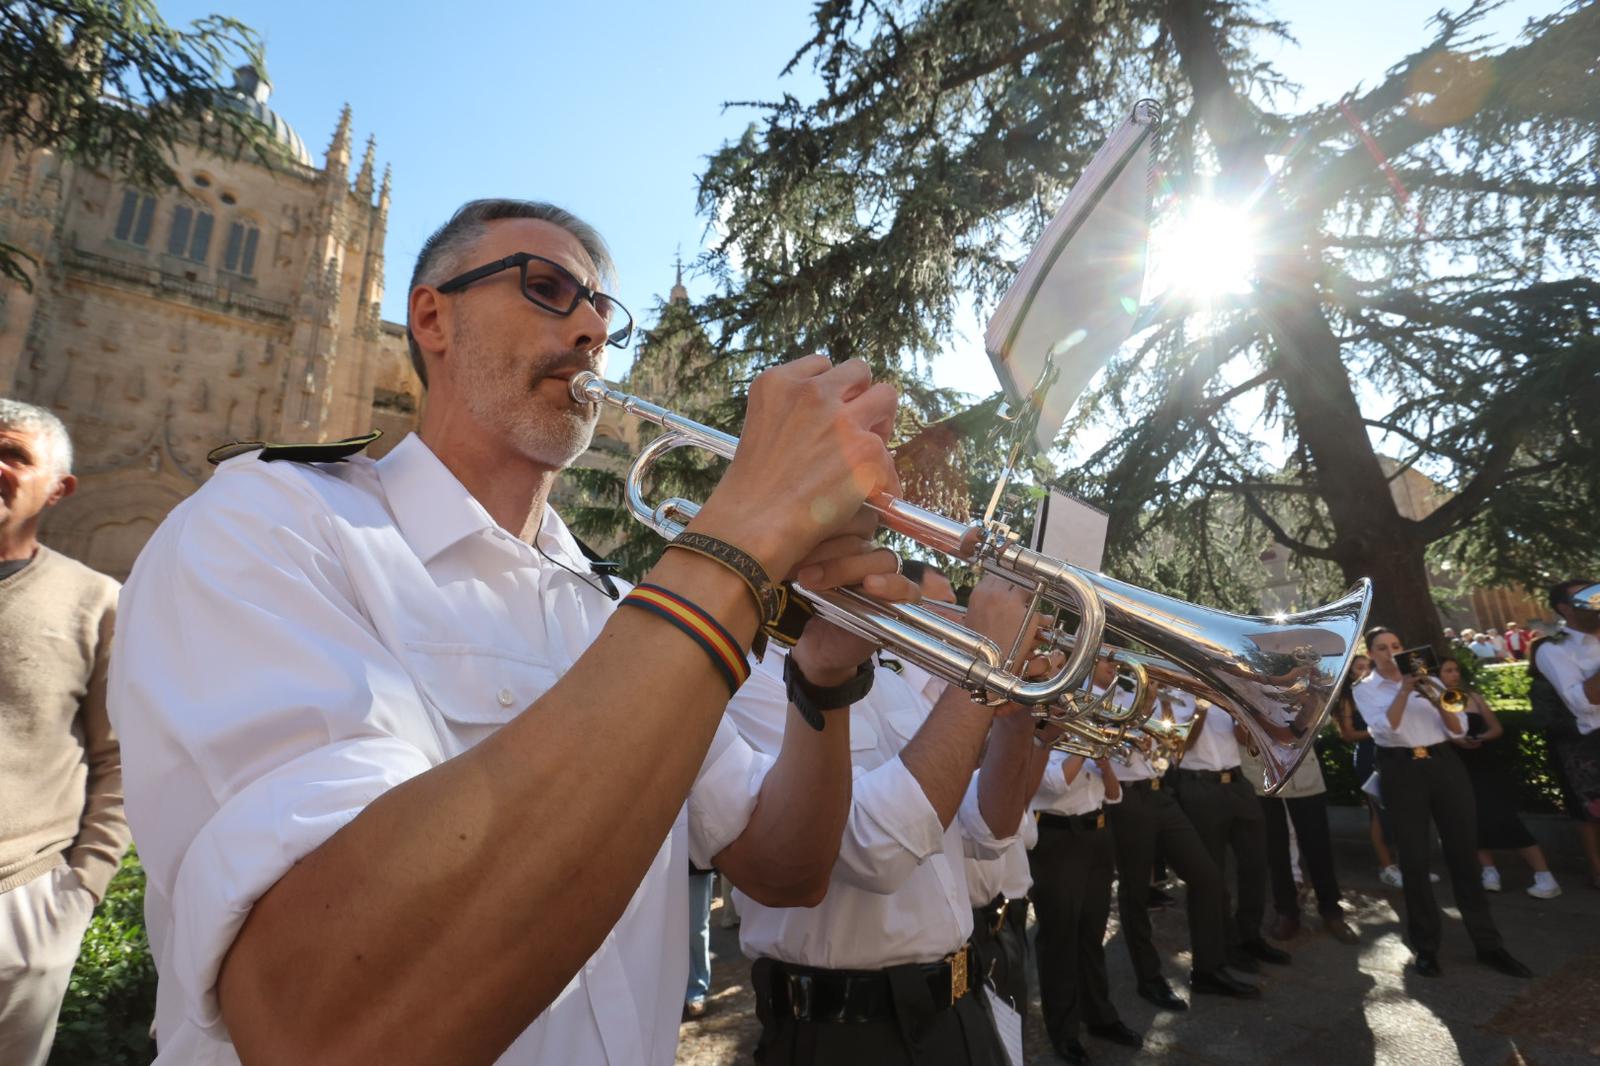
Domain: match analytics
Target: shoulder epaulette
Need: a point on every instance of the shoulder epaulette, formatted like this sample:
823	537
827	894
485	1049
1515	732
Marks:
333	451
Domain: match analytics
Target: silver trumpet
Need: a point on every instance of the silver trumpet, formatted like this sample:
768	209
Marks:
1278	677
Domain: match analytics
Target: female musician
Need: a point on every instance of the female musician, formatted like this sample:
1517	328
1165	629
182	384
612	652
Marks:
1353	730
1421	779
1499	827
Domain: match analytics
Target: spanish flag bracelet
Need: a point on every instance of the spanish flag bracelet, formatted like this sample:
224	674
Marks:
698	626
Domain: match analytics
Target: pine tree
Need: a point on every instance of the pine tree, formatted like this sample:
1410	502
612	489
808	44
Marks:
1435	284
109	84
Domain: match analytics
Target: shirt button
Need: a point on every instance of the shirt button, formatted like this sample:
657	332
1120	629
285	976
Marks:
505	697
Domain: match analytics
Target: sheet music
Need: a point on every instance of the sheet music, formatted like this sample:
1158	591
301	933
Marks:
1077	295
1008	1023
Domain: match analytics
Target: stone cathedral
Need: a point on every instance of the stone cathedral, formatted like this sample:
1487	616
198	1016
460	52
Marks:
241	305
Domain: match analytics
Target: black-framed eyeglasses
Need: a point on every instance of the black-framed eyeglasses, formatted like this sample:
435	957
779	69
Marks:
551	287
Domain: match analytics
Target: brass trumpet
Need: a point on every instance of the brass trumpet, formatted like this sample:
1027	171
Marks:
1280	674
1430	688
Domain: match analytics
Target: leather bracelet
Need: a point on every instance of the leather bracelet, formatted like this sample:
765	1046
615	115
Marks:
811	700
769	604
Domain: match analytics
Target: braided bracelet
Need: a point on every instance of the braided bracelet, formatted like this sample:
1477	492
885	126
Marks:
769	603
698	626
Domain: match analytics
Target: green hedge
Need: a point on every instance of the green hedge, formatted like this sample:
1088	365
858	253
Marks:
1523	747
111	999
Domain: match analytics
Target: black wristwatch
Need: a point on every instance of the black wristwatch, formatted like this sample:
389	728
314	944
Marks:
811	700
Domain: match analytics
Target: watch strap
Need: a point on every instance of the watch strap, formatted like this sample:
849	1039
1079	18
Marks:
811	700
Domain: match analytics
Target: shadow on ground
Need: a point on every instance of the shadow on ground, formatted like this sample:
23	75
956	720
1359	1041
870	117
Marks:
1334	1004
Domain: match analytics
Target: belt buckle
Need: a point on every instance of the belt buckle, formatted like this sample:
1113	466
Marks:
1227	777
1155	784
958	974
1100	820
1419	753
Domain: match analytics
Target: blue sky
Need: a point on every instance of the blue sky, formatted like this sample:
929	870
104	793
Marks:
610	109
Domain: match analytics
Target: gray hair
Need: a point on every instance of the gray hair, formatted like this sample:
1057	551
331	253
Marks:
442	253
14	414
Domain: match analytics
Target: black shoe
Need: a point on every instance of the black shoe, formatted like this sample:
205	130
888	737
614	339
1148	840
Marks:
1426	964
1117	1033
1339	929
1159	900
1500	959
1074	1053
1161	994
1241	961
1264	951
1220	982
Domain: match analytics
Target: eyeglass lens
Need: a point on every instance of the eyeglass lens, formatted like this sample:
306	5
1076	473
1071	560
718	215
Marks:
554	289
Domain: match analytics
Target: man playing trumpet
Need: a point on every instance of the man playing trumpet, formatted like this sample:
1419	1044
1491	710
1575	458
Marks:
408	785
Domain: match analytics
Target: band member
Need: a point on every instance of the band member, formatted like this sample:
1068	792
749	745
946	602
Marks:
1422	778
1222	807
1146	817
997	887
1568	661
1302	802
383	722
1499	825
881	970
998	890
1071	867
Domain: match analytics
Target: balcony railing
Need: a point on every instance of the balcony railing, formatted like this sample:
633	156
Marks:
81	261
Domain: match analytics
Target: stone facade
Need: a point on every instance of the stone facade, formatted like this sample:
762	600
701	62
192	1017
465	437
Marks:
243	305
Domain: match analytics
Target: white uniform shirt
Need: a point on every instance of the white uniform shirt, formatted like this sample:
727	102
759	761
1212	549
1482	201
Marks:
1567	663
1008	874
898	892
1216	748
1419	723
1084	794
297	640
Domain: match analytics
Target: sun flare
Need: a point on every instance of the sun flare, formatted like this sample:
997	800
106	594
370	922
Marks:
1208	252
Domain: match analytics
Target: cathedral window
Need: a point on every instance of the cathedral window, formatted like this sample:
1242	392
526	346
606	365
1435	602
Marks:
191	233
239	255
133	220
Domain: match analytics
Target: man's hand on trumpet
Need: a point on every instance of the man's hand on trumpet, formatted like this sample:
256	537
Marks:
826	654
813	448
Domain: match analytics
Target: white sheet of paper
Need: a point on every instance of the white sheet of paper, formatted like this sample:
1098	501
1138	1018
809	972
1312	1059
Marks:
1009	1024
1371	787
1077	295
1073	531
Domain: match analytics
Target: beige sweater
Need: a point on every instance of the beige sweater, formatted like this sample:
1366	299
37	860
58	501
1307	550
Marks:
60	767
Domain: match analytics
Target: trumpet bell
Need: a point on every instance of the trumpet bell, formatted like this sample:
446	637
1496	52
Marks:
1276	677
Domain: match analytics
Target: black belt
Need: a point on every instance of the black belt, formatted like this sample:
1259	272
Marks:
992	915
1412	754
1095	819
811	994
1224	777
1151	783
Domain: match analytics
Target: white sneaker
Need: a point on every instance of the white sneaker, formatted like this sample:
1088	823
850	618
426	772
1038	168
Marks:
1491	879
1433	877
1390	875
1544	887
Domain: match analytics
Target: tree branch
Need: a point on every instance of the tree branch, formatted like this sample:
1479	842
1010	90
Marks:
1281	535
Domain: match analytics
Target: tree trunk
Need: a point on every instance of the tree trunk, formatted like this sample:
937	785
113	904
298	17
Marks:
1371	537
1400	593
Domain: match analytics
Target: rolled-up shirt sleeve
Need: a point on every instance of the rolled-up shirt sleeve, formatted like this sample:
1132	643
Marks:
1373	703
1563	672
891	830
258	711
1053	783
977	838
891	827
724	794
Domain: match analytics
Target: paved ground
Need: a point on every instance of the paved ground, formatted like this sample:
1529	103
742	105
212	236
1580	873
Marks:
1334	1004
